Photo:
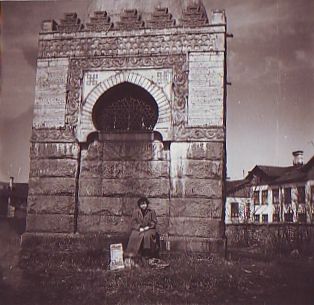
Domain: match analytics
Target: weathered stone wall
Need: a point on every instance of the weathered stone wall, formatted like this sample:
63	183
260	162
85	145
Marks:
52	186
196	193
114	174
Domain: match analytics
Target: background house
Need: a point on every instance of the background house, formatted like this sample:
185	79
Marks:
273	194
13	199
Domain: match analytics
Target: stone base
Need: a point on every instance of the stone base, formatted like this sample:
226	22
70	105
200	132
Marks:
93	249
215	246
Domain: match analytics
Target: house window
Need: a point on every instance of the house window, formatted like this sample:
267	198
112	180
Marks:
288	217
276	217
287	193
275	196
302	217
256	197
264	218
256	218
264	197
312	195
234	209
247	210
301	194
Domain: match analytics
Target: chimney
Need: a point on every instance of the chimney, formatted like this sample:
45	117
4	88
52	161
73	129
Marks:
11	181
298	157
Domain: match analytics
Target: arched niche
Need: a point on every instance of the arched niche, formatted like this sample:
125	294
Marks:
86	124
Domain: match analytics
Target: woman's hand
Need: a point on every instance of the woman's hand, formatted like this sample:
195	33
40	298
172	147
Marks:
146	228
142	229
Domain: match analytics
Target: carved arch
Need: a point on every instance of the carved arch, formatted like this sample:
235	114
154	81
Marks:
85	122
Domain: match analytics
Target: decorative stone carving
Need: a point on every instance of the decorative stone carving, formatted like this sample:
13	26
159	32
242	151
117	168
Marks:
176	62
130	20
99	22
161	18
210	133
70	23
194	15
173	43
60	135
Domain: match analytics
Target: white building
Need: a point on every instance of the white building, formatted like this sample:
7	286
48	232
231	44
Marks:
273	194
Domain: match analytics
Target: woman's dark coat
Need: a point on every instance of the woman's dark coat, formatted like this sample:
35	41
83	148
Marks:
147	237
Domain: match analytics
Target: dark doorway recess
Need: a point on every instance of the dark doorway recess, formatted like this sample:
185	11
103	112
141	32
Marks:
125	108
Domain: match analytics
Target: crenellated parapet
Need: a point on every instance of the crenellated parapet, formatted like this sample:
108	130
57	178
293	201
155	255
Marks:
99	22
194	15
130	20
161	18
70	23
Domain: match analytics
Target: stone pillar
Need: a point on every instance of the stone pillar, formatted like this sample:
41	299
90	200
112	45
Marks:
54	154
196	196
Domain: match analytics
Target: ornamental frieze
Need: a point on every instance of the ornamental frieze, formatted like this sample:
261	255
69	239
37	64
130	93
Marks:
58	135
132	45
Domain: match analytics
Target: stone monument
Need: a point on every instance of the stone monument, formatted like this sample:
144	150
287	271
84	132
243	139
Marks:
128	109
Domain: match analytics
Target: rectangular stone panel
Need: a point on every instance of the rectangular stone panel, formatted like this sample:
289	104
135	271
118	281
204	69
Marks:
138	169
197	151
203	77
136	187
160	205
50	93
44	204
51	186
52	223
106	224
90	187
207	188
181	168
104	206
195	226
200	207
128	151
91	169
54	150
204	169
205	150
53	168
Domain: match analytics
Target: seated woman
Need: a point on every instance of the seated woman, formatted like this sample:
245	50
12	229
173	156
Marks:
143	239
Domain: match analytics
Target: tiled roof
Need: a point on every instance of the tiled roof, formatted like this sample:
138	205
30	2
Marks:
238	188
273	171
283	174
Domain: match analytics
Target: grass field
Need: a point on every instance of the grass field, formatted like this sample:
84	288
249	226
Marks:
72	275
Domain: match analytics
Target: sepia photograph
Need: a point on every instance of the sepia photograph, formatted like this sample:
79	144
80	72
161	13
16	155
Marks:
156	152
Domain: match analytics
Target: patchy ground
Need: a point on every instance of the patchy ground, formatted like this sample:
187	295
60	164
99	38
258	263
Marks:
81	278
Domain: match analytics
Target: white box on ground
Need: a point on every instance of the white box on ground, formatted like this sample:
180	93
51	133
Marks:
116	257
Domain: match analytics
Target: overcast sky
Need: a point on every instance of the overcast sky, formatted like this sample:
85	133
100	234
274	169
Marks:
270	107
